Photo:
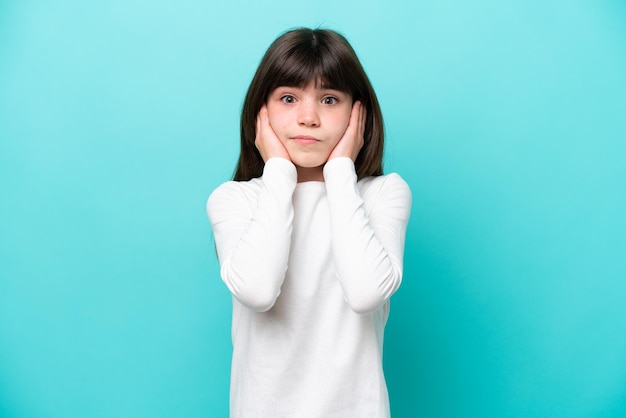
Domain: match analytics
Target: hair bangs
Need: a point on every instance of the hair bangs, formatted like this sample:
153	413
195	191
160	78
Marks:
311	63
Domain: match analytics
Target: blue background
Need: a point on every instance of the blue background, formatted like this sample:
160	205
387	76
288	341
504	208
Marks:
507	119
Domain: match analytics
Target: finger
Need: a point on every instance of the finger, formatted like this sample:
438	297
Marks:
356	113
258	125
363	119
353	123
261	131
363	113
257	138
356	121
265	120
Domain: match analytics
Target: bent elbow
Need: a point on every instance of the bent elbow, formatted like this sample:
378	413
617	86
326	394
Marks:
257	300
367	303
253	292
261	304
365	300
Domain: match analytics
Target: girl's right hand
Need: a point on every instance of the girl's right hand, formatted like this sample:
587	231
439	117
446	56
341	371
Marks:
266	141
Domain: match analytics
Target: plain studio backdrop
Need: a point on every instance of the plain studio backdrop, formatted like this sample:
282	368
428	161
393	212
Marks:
507	119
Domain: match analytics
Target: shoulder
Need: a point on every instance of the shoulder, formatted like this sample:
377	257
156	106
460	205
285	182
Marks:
385	195
233	194
387	185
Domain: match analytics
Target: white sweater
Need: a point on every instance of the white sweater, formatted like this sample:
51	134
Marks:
311	267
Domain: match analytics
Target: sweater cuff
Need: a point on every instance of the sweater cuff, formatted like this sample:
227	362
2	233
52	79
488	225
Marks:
340	168
280	169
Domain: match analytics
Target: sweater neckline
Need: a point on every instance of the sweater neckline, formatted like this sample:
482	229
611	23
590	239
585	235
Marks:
310	185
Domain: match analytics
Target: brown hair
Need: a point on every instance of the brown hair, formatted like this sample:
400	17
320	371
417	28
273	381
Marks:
294	59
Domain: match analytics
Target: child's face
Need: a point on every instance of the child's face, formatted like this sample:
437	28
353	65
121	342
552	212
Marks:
309	123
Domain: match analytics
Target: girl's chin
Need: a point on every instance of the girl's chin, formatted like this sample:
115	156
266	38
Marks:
309	167
309	163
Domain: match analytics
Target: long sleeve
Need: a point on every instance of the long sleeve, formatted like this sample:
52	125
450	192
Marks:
367	236
252	225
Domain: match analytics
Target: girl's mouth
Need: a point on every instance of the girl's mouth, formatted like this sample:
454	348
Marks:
305	139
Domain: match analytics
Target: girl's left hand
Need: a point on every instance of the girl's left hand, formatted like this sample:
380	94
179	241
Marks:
352	140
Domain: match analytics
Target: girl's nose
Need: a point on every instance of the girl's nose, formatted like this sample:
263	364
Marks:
307	116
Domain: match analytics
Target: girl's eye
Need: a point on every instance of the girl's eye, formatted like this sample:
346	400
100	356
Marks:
330	100
288	99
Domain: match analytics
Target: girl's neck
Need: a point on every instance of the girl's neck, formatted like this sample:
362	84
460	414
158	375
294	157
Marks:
310	174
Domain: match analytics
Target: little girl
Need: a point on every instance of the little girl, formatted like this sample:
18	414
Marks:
310	236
